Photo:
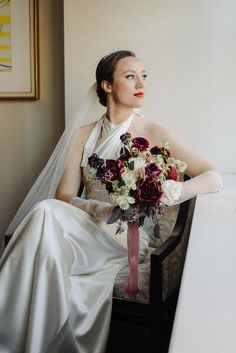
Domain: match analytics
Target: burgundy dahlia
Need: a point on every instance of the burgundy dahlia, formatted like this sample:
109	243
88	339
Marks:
140	143
148	191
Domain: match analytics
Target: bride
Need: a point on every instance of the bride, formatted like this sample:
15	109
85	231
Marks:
57	272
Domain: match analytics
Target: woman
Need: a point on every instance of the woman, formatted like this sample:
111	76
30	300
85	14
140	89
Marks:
59	269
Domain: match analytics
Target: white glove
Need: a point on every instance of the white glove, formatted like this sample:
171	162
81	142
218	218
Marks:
97	209
176	192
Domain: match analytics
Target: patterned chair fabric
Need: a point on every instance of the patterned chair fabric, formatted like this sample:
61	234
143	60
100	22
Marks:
172	266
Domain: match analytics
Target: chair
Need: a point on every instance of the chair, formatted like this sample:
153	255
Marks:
160	276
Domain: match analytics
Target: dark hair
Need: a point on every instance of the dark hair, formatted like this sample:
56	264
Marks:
105	71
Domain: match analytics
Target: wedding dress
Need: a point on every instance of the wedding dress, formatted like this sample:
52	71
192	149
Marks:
58	271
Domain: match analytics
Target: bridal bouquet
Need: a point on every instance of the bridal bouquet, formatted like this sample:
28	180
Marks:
137	181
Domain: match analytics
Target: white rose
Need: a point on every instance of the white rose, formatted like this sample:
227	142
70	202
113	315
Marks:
171	191
139	162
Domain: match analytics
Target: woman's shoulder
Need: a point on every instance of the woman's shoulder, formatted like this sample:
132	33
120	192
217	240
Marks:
153	129
84	131
87	128
153	126
81	134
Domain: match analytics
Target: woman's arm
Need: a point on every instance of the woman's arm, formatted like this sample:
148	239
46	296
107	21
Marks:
196	164
205	178
70	181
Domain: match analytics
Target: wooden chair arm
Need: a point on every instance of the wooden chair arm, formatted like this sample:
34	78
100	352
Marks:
165	268
167	246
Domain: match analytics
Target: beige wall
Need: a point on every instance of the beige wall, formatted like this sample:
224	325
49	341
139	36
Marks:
30	129
189	48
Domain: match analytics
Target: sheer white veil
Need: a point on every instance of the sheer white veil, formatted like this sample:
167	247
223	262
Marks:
47	182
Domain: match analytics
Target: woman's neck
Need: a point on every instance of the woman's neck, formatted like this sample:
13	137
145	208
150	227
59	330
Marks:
117	115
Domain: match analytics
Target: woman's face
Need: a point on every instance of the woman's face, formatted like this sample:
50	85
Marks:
129	85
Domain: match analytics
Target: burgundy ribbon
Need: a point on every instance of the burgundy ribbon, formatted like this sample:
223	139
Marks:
131	286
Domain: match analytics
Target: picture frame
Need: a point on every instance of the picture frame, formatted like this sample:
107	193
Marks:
19	53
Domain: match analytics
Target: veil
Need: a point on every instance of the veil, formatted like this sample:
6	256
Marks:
46	184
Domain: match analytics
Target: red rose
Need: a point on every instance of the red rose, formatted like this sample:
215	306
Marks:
140	143
148	191
116	168
173	174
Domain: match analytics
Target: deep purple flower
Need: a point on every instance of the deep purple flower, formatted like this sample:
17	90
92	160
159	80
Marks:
140	143
94	161
125	154
156	150
103	174
160	150
148	191
152	170
115	167
125	138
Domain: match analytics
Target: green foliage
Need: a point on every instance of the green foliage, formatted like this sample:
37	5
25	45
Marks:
114	216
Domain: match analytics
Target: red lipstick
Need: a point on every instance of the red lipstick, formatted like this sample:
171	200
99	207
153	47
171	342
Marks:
139	94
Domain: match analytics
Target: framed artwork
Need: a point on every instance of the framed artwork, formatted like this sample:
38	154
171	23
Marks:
19	56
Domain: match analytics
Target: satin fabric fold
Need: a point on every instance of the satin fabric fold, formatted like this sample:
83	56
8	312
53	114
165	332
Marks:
57	274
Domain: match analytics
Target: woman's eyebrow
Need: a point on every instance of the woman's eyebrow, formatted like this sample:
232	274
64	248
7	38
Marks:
133	71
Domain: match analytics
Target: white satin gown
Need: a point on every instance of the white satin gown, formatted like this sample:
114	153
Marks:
58	271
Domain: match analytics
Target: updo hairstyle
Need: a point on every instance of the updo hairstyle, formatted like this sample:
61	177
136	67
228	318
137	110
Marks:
105	71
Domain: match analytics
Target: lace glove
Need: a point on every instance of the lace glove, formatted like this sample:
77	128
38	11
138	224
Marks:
98	209
176	192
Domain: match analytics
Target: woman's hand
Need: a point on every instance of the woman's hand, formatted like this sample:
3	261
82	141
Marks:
177	192
98	209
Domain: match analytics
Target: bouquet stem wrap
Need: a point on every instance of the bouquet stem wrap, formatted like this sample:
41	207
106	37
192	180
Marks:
131	286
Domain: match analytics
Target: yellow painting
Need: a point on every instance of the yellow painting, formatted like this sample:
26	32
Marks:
5	35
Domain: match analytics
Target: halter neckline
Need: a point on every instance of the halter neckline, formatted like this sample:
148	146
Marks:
112	125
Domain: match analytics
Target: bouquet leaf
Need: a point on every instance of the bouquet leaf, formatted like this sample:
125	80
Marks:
114	216
131	165
121	182
141	221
